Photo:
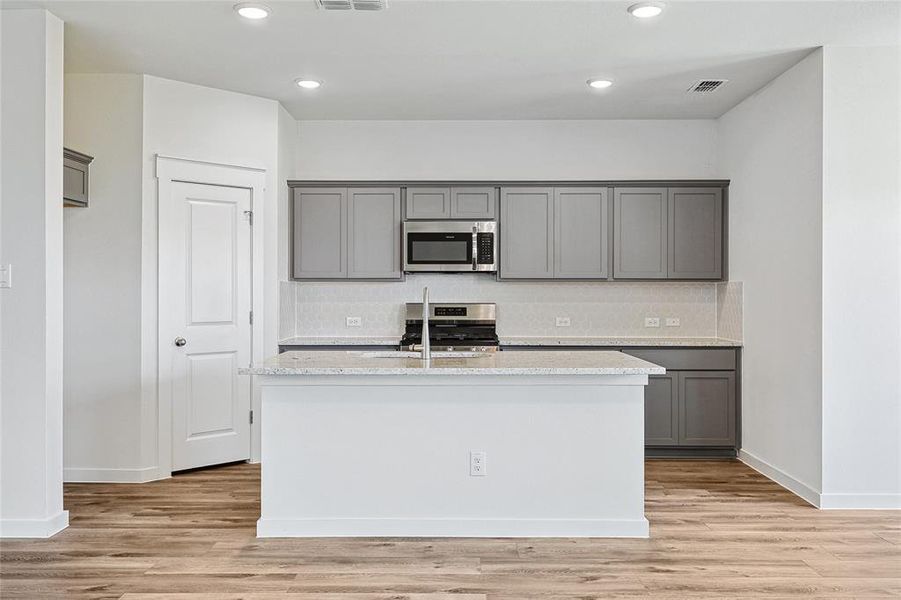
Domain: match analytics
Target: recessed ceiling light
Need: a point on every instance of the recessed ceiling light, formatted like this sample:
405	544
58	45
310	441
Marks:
599	84
252	10
646	10
308	84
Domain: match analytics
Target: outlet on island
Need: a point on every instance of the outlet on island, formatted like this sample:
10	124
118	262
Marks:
353	322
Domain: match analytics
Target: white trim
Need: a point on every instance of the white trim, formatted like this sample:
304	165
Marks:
103	475
635	528
793	485
169	169
34	528
860	501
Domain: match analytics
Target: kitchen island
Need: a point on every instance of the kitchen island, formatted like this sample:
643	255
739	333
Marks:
501	444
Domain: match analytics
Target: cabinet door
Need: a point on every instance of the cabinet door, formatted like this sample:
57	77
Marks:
639	233
580	233
706	408
695	233
428	203
661	410
473	203
320	223
75	183
527	233
373	233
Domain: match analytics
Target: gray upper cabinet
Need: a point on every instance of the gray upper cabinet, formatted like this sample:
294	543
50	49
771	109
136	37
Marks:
428	203
473	203
75	178
707	408
580	233
320	225
640	233
661	410
527	233
695	233
373	240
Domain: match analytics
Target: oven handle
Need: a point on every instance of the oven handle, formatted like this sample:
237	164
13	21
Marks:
475	247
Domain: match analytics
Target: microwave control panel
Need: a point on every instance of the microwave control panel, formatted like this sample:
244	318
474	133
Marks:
485	243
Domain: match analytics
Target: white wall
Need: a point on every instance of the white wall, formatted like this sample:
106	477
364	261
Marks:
102	336
31	343
771	147
195	122
861	268
506	149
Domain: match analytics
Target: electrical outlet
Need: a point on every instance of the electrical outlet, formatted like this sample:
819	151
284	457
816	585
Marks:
652	322
354	321
6	276
478	465
673	322
563	322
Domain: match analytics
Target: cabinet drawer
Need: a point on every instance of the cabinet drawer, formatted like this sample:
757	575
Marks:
687	359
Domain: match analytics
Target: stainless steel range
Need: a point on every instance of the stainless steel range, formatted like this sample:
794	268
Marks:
453	327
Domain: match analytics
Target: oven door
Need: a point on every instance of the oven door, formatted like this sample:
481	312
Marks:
440	246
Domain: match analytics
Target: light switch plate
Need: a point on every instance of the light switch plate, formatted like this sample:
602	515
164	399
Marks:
6	276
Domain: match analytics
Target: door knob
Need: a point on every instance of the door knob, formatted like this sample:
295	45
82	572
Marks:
180	341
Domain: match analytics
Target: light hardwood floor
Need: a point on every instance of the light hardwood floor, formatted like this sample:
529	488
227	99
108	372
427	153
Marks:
718	530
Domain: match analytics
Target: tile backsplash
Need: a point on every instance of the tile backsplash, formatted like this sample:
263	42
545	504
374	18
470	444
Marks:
601	309
729	310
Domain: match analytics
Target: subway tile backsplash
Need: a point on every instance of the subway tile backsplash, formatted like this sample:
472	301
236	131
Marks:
597	309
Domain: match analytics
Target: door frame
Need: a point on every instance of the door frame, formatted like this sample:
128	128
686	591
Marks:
171	169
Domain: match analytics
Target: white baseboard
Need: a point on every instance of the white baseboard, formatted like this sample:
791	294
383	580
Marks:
637	528
92	475
34	528
796	487
861	501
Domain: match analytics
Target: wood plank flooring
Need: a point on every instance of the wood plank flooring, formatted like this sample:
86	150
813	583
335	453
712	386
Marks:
718	530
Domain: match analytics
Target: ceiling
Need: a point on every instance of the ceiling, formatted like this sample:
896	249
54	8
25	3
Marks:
471	59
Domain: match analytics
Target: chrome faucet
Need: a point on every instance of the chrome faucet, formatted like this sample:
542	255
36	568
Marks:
426	345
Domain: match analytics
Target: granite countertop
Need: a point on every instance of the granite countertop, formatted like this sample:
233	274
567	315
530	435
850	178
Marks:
551	362
676	342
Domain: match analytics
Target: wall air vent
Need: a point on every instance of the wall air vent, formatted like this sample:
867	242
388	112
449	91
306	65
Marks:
705	86
352	4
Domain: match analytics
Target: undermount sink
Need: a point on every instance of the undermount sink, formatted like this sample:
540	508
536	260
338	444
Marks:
404	354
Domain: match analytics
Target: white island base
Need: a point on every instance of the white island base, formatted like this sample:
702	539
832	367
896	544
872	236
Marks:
356	454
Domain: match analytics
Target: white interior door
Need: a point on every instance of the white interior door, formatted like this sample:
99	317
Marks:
206	318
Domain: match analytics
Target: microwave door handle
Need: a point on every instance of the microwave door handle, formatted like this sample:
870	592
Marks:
475	247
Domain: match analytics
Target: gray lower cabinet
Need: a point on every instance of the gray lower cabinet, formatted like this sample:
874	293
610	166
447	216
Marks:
695	233
342	233
76	167
428	202
640	233
706	408
580	233
661	410
527	233
320	229
373	233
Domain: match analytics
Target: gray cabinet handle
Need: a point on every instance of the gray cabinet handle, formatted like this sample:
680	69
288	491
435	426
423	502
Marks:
180	341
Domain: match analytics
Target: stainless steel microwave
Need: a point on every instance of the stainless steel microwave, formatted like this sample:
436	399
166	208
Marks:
450	246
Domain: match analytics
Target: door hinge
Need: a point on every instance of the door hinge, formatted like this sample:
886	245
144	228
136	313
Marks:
251	417
250	317
249	214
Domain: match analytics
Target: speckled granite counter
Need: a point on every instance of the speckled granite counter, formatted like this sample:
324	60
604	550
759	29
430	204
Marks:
551	362
510	341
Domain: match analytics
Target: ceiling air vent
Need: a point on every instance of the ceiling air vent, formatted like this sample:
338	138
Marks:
705	86
351	4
